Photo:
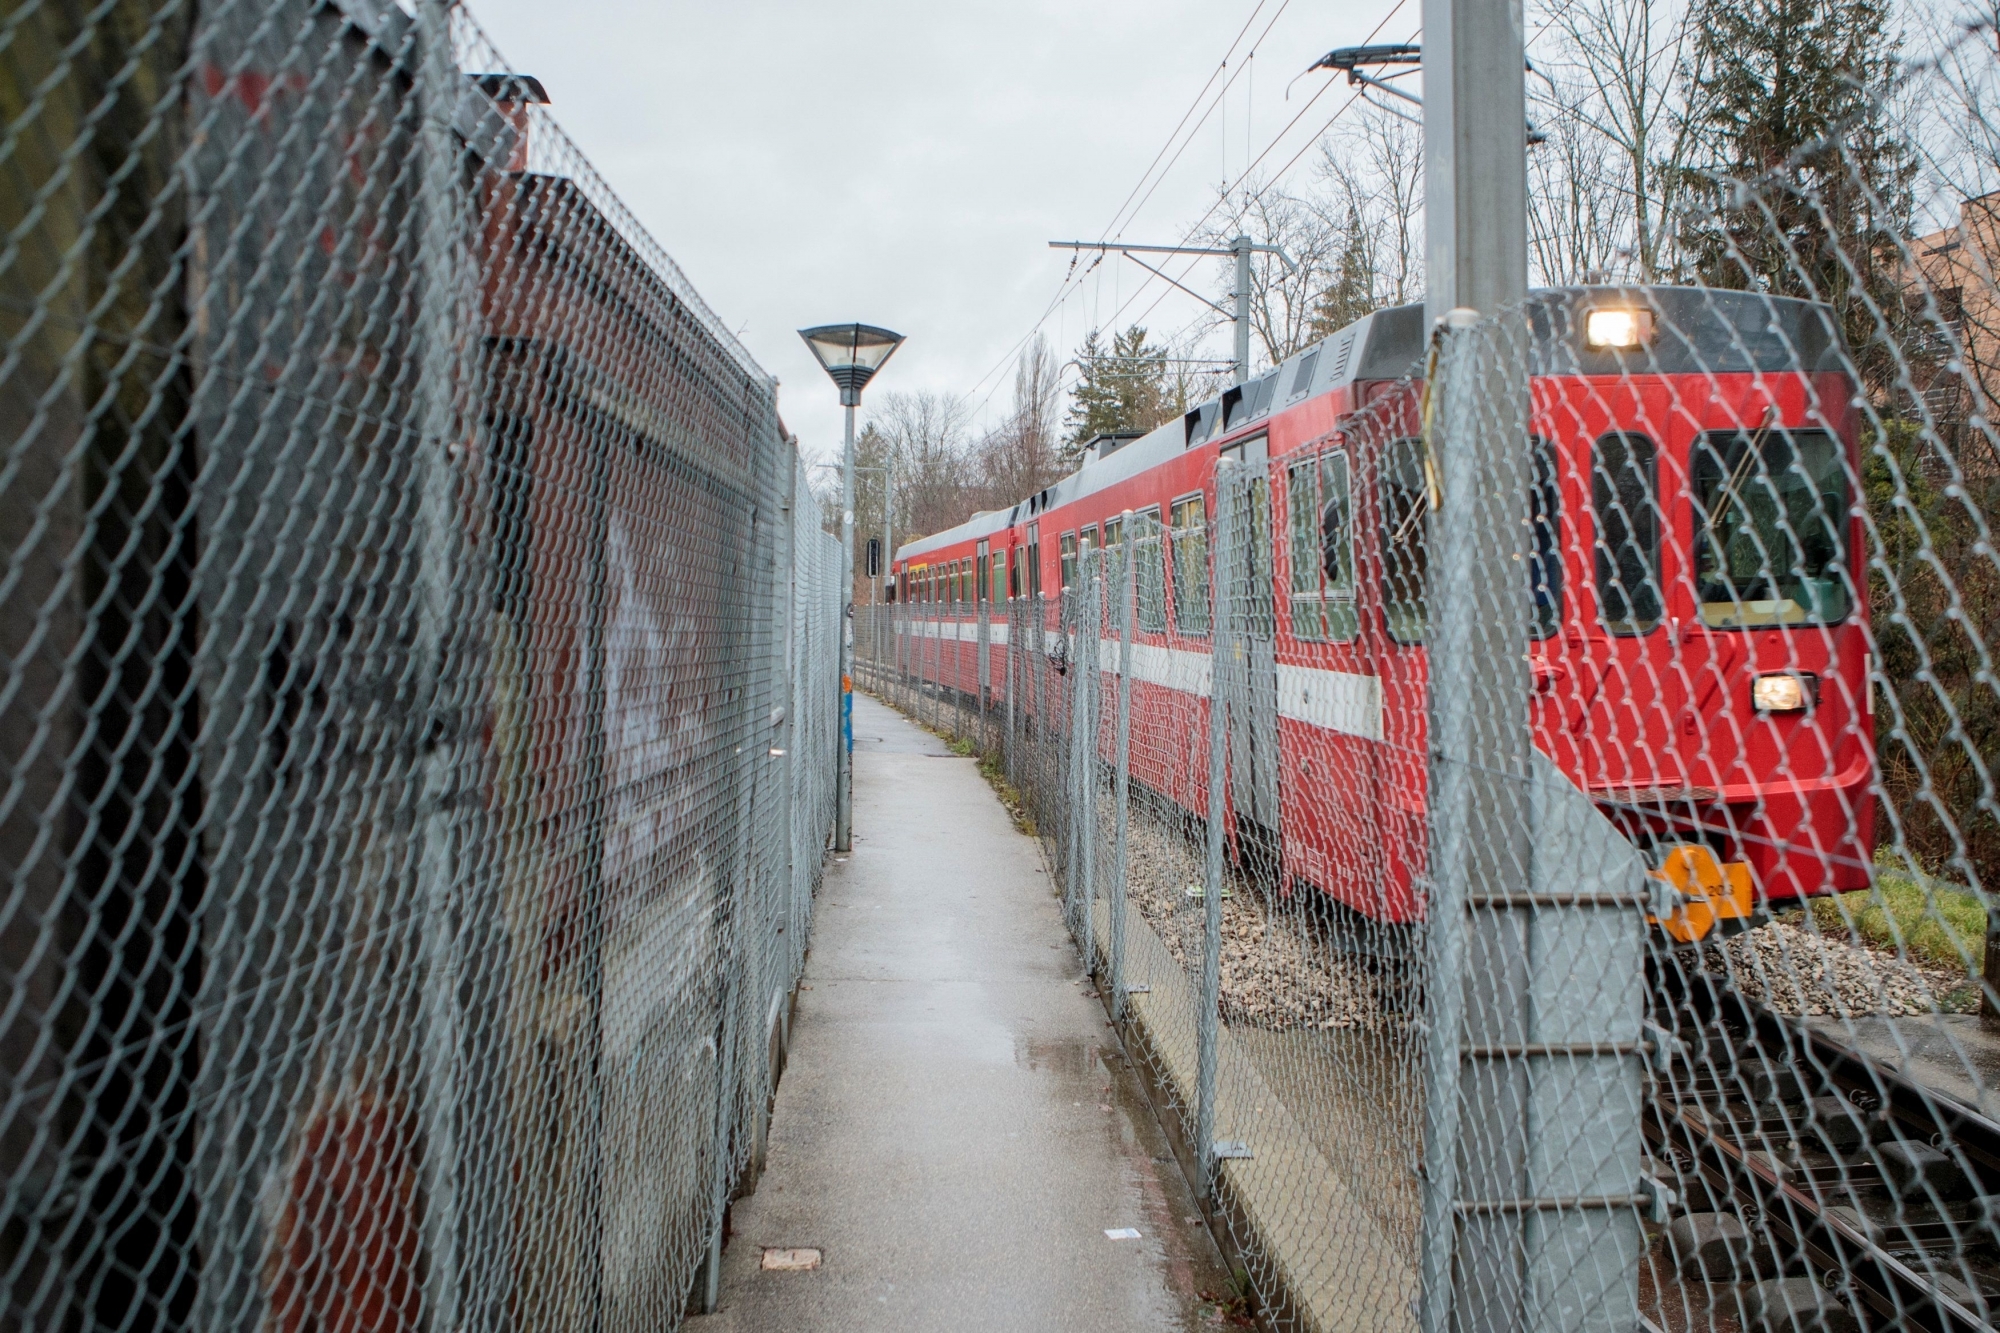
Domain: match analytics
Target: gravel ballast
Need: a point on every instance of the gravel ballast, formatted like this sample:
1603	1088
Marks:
1802	973
1278	972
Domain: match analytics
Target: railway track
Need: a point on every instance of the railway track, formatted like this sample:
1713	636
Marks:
1843	1194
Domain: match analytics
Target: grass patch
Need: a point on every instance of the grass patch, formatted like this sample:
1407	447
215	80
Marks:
994	770
1937	924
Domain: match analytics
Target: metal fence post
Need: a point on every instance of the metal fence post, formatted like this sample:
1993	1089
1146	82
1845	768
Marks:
1208	1005
440	333
1475	167
1127	599
1530	1164
1007	745
1076	885
1084	663
982	607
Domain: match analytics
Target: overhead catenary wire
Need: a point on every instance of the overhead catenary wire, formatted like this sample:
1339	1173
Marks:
1072	281
990	384
1276	176
1118	219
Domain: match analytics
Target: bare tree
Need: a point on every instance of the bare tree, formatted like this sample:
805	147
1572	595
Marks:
936	478
1024	452
1580	215
1282	301
1952	117
1373	171
1632	64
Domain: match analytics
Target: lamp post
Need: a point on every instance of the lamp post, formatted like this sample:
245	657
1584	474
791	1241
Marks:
850	354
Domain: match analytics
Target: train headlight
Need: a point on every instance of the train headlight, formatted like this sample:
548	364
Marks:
1784	692
1617	330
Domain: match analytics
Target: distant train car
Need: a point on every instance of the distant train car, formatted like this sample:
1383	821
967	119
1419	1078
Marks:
1699	654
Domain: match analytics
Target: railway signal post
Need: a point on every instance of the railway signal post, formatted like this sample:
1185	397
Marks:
850	354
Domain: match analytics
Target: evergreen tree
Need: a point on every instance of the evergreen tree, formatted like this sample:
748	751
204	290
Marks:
1801	185
1350	293
1122	388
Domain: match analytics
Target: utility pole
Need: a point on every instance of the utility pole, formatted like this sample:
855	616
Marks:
1535	935
1241	249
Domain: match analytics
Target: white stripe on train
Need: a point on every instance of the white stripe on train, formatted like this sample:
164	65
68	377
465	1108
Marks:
1342	701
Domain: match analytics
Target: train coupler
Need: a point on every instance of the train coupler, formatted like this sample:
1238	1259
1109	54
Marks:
1695	892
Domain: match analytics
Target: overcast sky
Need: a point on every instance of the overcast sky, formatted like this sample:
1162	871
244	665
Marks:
906	164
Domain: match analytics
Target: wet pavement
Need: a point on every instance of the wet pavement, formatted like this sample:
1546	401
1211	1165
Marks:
957	1128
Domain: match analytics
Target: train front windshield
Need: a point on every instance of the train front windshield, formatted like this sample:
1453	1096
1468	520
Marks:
1770	517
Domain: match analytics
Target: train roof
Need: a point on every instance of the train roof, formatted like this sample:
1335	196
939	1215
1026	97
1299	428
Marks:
1698	330
1384	345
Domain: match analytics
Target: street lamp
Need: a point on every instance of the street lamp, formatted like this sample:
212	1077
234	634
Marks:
850	354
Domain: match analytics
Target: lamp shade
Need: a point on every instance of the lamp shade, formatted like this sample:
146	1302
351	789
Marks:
851	354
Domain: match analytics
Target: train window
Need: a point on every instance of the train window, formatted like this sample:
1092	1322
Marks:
1770	514
1545	566
1190	586
1089	538
1406	496
1114	557
997	576
1320	510
1624	498
1068	548
1149	554
1301	501
1034	560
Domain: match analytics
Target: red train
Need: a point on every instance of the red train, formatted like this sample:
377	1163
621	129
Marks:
1700	652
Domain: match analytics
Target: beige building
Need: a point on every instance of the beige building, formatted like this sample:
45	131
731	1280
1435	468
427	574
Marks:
1958	269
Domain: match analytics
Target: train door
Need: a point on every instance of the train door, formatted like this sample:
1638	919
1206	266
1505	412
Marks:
1330	783
1250	645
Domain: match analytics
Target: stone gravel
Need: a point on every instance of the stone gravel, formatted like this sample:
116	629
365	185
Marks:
1802	973
1277	970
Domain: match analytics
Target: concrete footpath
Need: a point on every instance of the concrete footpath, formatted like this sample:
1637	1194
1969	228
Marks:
957	1128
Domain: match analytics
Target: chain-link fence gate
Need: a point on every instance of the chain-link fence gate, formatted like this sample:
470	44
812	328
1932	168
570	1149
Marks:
419	695
1536	819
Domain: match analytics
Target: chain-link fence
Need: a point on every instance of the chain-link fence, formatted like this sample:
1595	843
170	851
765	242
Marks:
419	700
1549	879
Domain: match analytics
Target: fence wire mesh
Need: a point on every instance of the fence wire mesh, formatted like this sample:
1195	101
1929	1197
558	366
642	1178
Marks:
1526	788
420	693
